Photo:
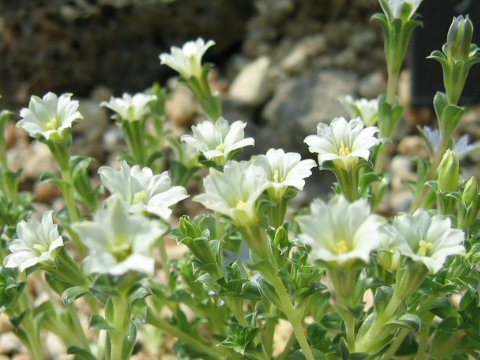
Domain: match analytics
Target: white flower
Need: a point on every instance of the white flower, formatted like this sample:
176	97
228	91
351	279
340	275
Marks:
141	190
49	116
188	60
128	107
37	242
427	239
341	233
343	141
216	140
285	170
234	191
396	8
119	241
366	109
462	147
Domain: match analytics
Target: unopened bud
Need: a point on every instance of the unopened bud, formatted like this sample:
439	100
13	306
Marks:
470	193
459	38
448	171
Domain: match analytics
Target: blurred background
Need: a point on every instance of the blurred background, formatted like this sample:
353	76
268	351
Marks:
280	65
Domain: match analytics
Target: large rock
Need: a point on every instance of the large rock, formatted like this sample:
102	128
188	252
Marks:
251	86
299	104
73	46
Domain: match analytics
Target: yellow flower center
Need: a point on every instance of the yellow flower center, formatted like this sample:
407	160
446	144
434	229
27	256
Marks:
39	248
241	205
139	197
53	124
120	250
424	247
341	247
220	147
276	177
344	150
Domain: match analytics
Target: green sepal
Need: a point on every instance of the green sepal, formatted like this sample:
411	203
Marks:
71	294
407	321
139	294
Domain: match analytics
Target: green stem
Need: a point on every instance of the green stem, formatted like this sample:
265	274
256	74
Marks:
375	333
392	86
135	133
236	305
422	195
292	315
423	336
350	331
33	334
121	324
213	352
268	333
165	258
77	326
395	344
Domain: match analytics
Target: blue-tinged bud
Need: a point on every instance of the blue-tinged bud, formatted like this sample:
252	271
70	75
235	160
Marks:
459	38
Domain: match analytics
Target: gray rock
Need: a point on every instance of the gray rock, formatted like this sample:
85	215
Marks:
181	106
372	85
275	11
299	104
251	86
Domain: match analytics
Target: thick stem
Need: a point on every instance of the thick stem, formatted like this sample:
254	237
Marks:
375	334
135	133
424	336
121	324
292	315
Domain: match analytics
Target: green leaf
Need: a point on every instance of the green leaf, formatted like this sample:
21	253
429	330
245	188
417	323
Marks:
299	355
80	354
129	341
73	293
382	297
408	321
139	294
98	322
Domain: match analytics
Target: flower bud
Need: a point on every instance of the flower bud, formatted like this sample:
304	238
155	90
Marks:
447	172
470	193
459	38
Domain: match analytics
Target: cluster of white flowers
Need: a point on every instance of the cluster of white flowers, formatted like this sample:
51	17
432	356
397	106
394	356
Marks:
427	239
341	233
187	60
142	191
365	109
128	107
119	241
342	141
217	140
48	117
284	170
36	242
234	191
